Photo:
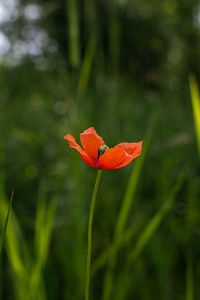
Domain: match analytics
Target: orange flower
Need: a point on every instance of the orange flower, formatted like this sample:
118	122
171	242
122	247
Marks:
97	155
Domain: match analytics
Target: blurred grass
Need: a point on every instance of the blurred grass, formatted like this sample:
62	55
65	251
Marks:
123	216
196	107
5	224
66	176
87	65
157	219
189	278
191	219
27	267
73	32
145	235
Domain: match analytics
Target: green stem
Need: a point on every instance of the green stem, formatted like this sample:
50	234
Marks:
87	281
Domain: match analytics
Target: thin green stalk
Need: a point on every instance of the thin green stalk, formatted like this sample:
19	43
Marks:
87	281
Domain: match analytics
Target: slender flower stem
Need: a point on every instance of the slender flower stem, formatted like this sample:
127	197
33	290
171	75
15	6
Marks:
87	281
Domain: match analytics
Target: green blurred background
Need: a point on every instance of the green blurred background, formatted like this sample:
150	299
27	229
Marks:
121	66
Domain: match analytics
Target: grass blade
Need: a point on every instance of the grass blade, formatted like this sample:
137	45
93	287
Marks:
123	216
131	189
17	254
114	38
87	65
3	232
43	232
196	107
127	236
189	278
154	223
72	15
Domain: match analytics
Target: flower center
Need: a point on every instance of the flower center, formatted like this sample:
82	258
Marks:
101	150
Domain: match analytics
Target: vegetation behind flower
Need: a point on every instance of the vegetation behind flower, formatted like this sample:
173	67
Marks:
146	226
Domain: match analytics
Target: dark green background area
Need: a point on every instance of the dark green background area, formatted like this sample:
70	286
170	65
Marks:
121	66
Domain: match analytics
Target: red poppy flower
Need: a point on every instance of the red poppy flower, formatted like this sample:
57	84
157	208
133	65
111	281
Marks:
97	155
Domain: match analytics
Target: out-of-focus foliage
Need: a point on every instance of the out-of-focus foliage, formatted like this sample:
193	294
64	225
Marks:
154	41
5	224
118	66
196	108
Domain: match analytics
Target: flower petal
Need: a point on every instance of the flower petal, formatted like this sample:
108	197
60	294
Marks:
113	158
119	156
73	144
133	149
91	142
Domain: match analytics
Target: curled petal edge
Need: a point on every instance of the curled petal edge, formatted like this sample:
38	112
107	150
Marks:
72	144
119	156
